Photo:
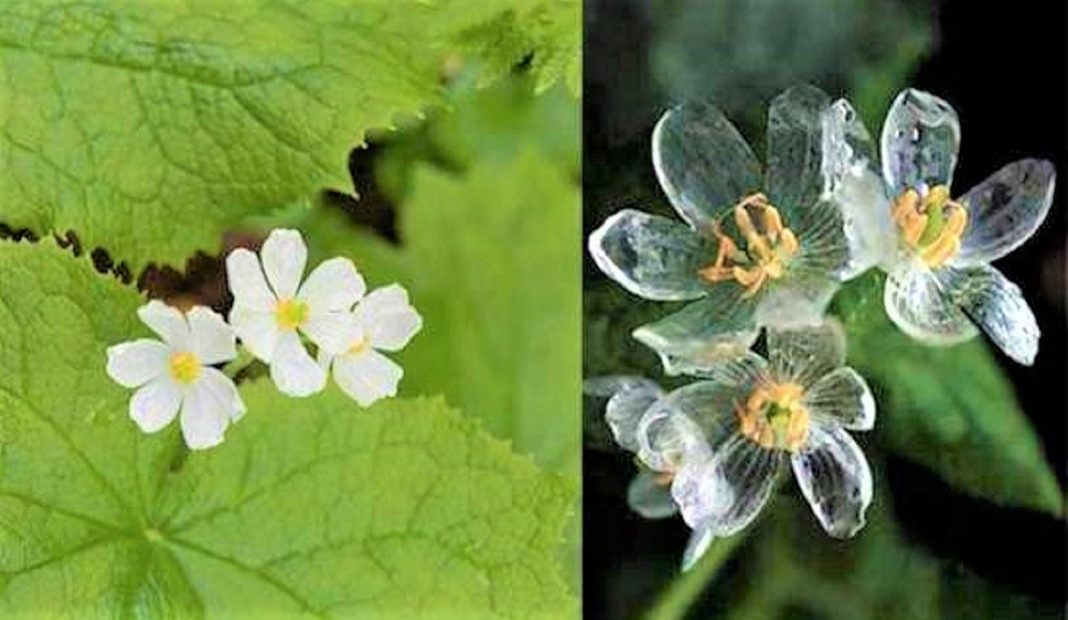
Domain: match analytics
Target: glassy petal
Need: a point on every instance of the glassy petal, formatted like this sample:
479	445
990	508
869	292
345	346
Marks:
257	329
367	377
835	479
284	256
628	399
168	322
245	278
155	404
133	364
997	306
648	496
915	302
389	320
1005	210
920	140
799	302
667	437
842	397
208	407
709	330
332	331
652	256
334	285
211	338
820	231
699	542
703	163
803	355
794	177
710	405
293	371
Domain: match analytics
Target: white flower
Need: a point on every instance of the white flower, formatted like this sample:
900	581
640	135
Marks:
269	315
383	321
936	249
177	375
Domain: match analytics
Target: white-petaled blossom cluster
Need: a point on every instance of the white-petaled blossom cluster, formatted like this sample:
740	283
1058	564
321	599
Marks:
763	252
276	313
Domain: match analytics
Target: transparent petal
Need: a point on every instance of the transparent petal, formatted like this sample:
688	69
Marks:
652	256
920	140
257	329
703	163
727	491
848	149
244	276
168	322
842	397
835	479
710	405
699	542
155	404
628	399
997	306
718	327
293	371
284	256
915	302
804	355
667	438
798	302
389	320
1005	210
741	372
794	176
650	497
210	337
335	285
367	377
133	364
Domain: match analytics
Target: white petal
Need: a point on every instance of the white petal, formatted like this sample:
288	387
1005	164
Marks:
334	285
1005	210
333	331
293	371
651	256
258	330
132	364
628	399
835	479
244	276
209	405
211	338
843	397
367	377
699	542
803	355
389	320
997	306
155	404
284	256
168	322
650	498
920	140
915	302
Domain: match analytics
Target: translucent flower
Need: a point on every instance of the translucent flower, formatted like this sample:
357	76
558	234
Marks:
176	375
936	249
752	252
270	314
383	321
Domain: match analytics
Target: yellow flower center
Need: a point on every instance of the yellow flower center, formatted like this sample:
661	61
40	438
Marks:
768	249
773	416
184	367
359	346
930	224
291	313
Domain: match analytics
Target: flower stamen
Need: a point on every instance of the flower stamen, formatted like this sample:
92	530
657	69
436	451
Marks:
773	416
768	248
291	313
931	224
184	367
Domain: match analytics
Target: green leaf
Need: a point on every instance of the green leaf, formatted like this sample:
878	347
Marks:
951	409
149	128
310	508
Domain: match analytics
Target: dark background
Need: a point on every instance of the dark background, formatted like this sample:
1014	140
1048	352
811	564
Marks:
1002	66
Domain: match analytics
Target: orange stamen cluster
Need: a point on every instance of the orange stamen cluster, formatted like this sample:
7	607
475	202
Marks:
767	249
773	416
931	224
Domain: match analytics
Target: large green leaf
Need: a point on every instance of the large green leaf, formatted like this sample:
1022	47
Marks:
310	508
951	409
149	127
